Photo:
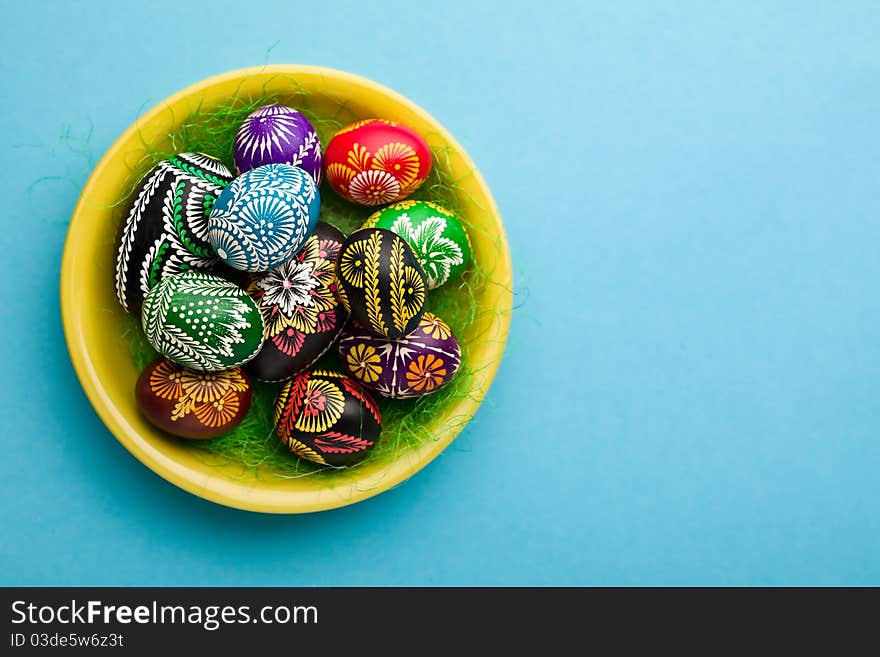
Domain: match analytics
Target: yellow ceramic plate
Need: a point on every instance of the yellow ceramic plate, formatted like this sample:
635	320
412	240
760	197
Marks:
93	320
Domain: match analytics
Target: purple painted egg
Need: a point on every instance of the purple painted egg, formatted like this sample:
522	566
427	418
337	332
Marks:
276	134
417	364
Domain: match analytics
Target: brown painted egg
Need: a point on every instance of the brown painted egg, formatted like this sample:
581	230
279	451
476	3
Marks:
192	404
327	418
300	309
381	282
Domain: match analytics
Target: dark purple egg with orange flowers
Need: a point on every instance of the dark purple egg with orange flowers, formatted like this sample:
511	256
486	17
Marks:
419	363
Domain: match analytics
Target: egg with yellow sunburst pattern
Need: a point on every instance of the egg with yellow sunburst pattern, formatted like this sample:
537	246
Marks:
327	418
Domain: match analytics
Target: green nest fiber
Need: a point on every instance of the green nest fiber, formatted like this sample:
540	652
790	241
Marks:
254	443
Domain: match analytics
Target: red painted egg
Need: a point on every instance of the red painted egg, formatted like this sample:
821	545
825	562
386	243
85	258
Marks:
192	404
375	162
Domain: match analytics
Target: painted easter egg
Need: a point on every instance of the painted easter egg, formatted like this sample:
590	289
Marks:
298	301
374	162
165	229
327	418
381	283
263	217
276	134
192	404
202	321
436	235
417	364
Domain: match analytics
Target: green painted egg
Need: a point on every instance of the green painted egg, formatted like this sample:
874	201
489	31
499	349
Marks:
202	321
435	234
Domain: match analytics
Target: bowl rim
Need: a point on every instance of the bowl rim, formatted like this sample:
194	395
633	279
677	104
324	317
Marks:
214	489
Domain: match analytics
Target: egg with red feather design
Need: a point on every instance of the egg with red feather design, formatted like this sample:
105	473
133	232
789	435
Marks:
327	418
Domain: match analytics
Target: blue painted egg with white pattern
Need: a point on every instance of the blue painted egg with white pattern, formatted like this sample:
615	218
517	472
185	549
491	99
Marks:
263	217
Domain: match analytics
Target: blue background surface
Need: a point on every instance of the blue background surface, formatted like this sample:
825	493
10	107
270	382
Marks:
689	394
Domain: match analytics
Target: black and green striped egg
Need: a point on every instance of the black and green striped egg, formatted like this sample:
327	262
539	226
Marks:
381	283
164	231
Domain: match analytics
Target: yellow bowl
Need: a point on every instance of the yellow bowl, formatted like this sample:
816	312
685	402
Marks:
93	319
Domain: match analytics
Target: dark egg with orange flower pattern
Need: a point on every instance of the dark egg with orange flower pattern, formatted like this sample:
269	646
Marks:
419	363
327	418
301	312
192	404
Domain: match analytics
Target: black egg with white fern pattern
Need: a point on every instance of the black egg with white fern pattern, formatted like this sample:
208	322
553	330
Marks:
164	229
